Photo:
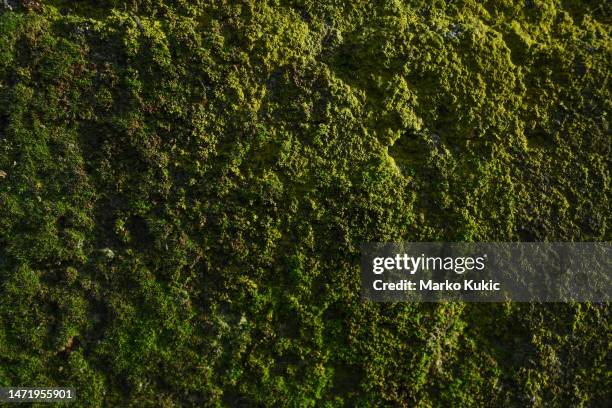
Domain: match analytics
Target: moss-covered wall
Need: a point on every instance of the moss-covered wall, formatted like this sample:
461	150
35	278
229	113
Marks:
184	186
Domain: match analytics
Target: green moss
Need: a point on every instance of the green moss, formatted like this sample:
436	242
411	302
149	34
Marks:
184	187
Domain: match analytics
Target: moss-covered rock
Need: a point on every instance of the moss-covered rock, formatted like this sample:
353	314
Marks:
184	186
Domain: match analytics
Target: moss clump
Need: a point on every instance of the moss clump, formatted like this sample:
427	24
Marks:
184	187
